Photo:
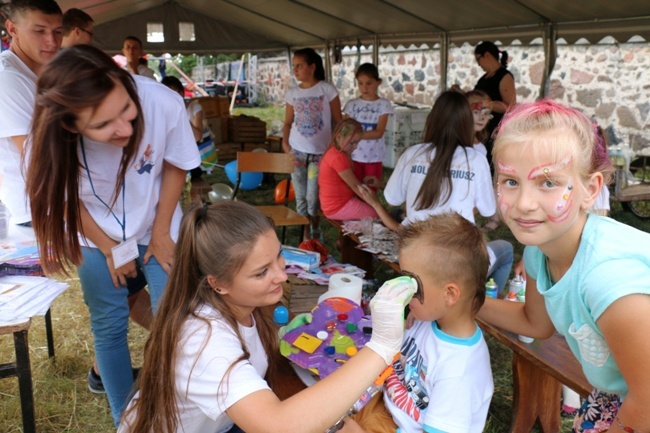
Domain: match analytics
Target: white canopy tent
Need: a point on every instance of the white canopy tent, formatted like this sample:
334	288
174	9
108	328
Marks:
254	25
236	26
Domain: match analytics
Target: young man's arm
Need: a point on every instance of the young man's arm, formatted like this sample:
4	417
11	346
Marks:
19	142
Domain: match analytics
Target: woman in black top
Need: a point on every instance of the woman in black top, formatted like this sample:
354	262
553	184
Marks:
497	82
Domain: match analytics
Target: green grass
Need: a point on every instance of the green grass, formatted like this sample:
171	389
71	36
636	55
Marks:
62	400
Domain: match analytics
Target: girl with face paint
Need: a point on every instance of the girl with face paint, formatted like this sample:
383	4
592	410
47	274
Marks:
588	277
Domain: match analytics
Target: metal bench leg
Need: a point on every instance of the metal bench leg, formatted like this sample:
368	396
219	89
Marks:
284	233
24	373
50	335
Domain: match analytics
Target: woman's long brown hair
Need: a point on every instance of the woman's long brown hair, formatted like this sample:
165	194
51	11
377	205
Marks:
77	78
449	124
214	240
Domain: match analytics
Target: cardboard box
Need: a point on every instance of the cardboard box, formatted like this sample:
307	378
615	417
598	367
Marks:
214	106
307	260
246	129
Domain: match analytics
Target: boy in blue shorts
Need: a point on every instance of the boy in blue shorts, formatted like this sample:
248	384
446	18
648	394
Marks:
442	381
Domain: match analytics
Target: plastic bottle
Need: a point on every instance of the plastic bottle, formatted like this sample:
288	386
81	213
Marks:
517	284
521	297
491	289
4	221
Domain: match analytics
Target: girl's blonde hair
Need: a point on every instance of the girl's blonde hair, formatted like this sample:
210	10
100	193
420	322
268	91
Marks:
562	130
344	129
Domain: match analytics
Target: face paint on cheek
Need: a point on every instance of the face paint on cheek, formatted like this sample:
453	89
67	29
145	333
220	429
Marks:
503	206
563	206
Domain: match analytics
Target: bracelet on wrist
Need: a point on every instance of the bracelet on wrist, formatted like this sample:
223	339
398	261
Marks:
625	428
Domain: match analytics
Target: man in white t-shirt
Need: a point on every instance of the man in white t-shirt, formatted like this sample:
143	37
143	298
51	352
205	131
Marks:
132	50
36	32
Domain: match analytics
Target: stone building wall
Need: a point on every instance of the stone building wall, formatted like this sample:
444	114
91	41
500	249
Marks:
608	81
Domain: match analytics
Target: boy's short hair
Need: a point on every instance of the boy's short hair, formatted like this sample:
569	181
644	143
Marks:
75	18
18	7
457	249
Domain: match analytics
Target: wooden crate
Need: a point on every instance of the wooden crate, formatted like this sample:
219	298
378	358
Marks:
227	151
275	143
301	295
214	106
246	129
219	127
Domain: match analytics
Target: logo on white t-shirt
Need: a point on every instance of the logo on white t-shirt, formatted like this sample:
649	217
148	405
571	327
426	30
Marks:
145	162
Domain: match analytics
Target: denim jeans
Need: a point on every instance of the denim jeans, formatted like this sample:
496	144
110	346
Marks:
305	182
500	269
109	320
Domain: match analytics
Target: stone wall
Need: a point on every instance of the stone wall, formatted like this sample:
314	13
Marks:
608	81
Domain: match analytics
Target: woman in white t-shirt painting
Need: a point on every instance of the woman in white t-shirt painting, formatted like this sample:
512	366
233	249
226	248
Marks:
447	174
107	165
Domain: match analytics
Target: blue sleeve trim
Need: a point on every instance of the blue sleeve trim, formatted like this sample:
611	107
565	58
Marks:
429	429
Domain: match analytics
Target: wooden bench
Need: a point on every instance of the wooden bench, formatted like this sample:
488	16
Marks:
539	369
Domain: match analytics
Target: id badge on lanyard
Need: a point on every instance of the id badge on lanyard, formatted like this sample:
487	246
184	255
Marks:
127	250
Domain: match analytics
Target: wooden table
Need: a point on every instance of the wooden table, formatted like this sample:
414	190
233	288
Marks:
21	366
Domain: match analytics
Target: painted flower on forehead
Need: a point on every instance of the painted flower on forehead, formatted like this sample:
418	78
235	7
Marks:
479	105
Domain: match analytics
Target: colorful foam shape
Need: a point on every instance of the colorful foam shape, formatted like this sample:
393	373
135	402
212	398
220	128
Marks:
341	337
307	342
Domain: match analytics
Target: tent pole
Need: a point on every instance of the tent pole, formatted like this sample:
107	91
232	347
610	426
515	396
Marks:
444	60
328	62
550	55
358	52
375	50
234	92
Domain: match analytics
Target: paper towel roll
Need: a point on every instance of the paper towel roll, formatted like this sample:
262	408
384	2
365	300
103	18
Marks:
344	286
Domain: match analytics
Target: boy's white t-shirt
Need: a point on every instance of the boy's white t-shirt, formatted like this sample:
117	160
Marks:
368	113
441	382
205	352
471	183
17	97
167	138
311	129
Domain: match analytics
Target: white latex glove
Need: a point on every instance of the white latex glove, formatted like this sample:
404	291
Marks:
387	308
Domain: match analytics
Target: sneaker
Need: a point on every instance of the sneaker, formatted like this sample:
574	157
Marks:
95	384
